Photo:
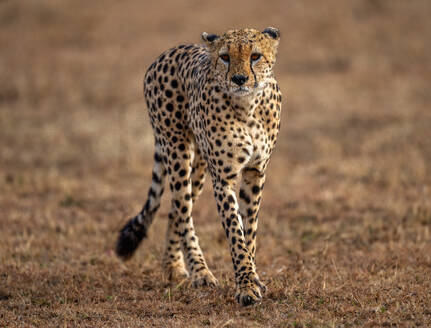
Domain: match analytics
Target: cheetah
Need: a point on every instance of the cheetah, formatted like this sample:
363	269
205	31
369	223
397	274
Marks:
214	107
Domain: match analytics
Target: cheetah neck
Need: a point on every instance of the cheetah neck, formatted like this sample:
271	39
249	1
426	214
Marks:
245	106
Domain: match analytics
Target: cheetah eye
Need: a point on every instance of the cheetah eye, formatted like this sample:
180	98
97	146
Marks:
255	56
225	58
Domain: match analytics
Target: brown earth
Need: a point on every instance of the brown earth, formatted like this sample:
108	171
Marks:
344	237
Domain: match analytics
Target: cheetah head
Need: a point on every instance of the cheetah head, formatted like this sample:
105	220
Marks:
243	59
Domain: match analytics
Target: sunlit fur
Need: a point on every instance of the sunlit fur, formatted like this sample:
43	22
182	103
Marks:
239	45
205	122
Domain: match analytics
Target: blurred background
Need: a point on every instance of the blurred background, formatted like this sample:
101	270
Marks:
351	173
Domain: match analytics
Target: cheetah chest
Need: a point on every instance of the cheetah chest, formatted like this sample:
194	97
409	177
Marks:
258	142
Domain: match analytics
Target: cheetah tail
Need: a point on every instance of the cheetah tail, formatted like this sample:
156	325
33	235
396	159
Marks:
136	229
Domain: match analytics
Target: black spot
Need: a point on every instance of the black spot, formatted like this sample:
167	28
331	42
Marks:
180	98
169	107
157	157
174	84
168	93
244	196
178	185
255	190
167	122
245	150
184	209
182	173
181	147
156	178
226	206
231	199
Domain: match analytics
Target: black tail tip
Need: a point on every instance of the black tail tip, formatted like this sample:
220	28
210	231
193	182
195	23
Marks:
128	241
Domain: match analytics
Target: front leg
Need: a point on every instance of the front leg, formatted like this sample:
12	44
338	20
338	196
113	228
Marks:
250	195
248	286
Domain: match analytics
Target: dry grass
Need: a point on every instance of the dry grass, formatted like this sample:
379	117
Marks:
345	236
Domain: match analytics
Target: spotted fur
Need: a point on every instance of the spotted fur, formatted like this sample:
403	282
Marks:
213	108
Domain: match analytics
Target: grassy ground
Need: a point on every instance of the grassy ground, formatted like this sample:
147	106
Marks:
344	237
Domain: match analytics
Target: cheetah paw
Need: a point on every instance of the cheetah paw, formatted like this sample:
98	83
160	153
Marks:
176	272
203	278
250	294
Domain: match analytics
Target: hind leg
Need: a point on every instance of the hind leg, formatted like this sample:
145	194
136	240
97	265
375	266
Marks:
180	182
199	171
173	259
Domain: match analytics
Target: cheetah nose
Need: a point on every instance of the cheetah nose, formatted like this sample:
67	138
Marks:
239	79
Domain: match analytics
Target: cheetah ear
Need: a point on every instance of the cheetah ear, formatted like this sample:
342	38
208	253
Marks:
209	38
272	32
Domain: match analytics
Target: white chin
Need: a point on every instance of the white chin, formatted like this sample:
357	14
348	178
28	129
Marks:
247	91
241	92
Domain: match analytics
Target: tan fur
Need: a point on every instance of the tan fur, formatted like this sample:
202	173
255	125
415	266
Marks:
204	121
